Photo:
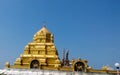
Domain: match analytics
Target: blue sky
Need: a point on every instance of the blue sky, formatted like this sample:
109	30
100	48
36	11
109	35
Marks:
89	29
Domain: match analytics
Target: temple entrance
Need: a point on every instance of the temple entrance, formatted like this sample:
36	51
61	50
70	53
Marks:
34	64
79	66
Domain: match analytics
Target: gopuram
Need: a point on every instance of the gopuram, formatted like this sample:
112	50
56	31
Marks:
42	54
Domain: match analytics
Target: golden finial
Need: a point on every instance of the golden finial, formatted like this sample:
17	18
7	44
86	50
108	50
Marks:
44	24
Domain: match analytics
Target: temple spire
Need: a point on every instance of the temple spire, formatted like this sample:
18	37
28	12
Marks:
63	57
67	59
41	53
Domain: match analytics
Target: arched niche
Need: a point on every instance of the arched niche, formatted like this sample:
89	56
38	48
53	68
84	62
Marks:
79	66
35	64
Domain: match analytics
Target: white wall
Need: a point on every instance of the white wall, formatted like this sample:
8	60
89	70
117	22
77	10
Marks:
42	72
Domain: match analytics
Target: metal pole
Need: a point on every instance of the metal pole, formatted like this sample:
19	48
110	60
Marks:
117	70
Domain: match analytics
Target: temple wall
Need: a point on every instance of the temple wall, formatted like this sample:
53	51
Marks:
44	72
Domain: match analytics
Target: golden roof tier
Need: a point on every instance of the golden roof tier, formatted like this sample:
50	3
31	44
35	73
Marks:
43	36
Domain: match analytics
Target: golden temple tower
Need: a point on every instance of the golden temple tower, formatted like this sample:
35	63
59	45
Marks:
41	53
